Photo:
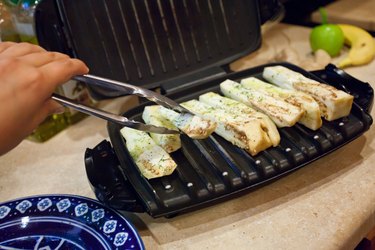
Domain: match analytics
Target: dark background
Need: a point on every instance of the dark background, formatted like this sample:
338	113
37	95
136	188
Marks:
296	11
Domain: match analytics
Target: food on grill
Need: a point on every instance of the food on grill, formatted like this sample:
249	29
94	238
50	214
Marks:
193	126
312	115
240	130
247	116
169	142
333	103
236	108
151	159
281	112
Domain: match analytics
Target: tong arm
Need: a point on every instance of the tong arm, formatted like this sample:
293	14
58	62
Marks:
111	117
132	90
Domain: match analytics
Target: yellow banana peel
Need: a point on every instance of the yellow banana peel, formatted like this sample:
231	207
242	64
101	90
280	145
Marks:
362	46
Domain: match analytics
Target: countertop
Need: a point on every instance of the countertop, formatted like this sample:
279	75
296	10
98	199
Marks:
354	12
328	204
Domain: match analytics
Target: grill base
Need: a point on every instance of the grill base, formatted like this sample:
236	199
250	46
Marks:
213	169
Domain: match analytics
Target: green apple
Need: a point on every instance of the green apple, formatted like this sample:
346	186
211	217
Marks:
328	37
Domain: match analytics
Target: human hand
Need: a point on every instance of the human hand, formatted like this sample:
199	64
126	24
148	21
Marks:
28	76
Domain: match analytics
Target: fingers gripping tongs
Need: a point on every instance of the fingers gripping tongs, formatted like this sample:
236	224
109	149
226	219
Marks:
124	88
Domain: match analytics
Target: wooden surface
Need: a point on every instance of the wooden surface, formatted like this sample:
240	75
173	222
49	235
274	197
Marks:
357	12
329	204
290	43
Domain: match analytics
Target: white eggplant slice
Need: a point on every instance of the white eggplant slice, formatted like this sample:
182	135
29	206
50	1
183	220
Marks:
333	103
283	114
193	126
312	116
151	159
169	142
237	108
244	133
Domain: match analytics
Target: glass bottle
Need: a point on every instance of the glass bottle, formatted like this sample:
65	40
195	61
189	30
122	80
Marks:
7	29
77	91
23	19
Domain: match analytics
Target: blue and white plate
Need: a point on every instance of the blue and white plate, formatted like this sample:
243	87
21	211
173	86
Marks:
64	222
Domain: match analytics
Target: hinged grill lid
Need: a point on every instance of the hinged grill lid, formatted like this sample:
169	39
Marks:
148	42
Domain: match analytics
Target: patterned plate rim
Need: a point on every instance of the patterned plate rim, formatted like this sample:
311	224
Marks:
78	198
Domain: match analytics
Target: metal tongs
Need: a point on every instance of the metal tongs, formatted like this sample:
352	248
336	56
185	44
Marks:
124	88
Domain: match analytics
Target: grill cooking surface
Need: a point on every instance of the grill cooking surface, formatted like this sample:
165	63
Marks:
213	168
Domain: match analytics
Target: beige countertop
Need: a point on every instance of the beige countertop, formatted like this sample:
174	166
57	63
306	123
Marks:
360	13
328	204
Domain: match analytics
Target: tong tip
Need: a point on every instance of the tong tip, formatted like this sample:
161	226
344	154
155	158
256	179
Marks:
151	128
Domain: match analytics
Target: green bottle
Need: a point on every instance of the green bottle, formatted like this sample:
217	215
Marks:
77	91
23	18
7	30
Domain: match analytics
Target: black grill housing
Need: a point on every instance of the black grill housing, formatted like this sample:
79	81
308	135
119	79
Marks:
213	169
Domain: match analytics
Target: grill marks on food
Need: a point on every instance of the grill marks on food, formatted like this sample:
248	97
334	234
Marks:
247	117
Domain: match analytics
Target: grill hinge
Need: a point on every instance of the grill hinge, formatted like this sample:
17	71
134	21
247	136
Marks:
196	78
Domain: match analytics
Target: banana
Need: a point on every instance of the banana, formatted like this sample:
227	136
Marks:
362	46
